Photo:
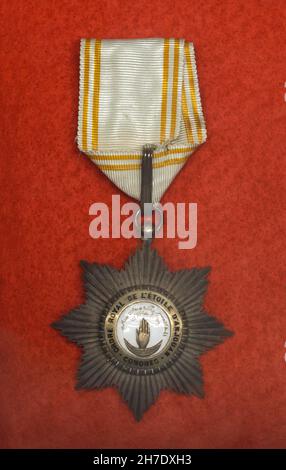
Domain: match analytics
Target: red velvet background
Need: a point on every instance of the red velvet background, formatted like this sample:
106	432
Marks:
237	178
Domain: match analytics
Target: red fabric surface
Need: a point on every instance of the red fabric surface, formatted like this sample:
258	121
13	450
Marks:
237	178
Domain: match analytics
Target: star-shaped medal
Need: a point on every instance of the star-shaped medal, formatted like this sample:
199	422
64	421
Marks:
142	329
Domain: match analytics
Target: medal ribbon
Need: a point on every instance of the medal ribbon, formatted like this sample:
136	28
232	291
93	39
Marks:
138	92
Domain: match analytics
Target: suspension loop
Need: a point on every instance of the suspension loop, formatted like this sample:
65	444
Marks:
149	223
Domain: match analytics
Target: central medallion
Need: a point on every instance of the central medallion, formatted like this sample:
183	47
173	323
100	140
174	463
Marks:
143	330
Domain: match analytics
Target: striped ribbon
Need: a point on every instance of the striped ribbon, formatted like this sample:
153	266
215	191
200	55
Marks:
138	92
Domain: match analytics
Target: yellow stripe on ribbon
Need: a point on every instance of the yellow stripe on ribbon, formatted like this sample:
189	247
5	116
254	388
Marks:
161	154
186	118
96	88
175	88
193	92
137	166
165	89
85	93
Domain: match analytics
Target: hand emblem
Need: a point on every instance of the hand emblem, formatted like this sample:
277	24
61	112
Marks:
143	334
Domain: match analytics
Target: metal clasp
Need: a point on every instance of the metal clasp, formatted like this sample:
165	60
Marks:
147	225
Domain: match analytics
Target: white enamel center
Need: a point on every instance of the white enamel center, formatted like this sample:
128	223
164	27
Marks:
131	328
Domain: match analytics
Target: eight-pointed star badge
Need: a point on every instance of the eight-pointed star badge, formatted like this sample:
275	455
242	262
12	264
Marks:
142	329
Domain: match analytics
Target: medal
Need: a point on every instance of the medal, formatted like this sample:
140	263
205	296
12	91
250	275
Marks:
143	328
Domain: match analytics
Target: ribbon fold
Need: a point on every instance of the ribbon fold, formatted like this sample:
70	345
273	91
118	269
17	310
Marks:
138	92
